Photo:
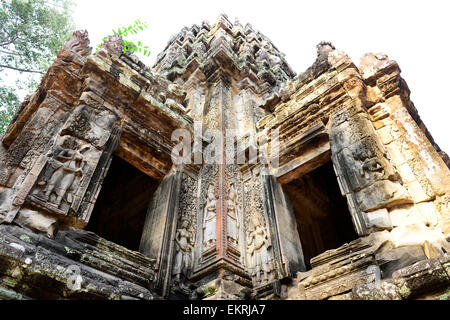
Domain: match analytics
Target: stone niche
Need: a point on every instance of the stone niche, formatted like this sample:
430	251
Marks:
348	197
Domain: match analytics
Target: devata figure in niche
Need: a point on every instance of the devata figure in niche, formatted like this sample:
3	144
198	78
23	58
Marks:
258	246
209	222
184	244
66	164
233	220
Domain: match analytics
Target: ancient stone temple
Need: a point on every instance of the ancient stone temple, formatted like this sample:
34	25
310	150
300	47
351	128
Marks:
342	193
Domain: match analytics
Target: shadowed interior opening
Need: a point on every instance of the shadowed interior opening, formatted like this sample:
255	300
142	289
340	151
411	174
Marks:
323	219
120	210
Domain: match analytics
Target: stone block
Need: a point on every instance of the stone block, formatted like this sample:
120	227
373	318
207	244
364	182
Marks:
416	191
403	215
37	221
431	251
384	290
395	153
395	259
381	194
417	233
385	134
379	219
427	214
406	173
422	276
378	112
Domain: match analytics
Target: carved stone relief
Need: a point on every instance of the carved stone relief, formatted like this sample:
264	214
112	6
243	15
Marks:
209	218
259	251
205	248
260	260
61	177
184	246
234	215
366	176
233	223
185	236
63	172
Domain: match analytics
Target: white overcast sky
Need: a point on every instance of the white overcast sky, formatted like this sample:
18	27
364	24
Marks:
415	34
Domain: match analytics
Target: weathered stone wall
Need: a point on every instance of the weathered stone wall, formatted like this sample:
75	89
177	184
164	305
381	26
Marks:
221	231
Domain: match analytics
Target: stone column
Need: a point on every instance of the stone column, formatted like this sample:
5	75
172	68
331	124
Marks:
287	248
159	230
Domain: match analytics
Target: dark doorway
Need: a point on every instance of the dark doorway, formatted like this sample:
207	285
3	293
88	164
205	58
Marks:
323	218
120	210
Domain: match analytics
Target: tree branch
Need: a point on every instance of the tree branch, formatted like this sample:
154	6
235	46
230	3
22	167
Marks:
11	53
21	70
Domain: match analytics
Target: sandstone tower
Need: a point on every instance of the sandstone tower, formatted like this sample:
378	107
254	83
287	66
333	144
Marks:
355	205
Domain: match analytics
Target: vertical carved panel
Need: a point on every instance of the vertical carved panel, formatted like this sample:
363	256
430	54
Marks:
365	175
185	235
234	213
160	230
66	168
77	152
287	248
259	249
207	206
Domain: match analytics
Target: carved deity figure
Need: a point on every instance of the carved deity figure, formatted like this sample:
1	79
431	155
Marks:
233	216
184	244
246	50
200	48
180	55
173	53
264	51
222	38
209	220
66	164
258	246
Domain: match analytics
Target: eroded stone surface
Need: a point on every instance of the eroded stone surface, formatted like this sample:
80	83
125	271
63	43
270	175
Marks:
216	231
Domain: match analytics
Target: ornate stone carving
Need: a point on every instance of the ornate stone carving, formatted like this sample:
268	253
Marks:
233	224
223	236
258	249
209	218
184	246
114	44
367	177
246	51
63	172
67	164
78	44
186	233
259	254
200	48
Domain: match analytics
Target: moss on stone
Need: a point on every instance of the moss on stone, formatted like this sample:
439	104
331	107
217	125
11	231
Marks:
7	294
209	291
69	250
404	291
445	296
25	238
